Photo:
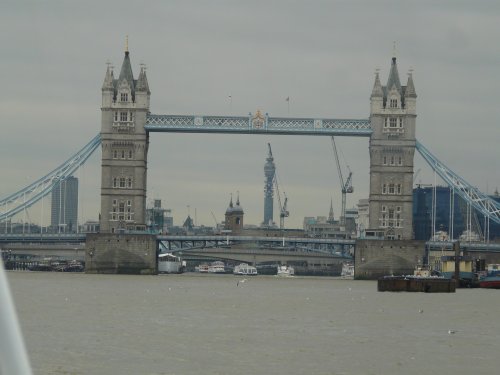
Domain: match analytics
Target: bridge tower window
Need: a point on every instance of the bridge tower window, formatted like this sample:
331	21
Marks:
129	182
122	182
123	116
115	154
391	188
124	97
393	103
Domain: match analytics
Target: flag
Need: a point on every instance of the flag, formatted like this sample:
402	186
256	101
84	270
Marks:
287	99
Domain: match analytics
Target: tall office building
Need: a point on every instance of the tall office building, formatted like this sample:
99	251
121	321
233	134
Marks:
422	214
64	206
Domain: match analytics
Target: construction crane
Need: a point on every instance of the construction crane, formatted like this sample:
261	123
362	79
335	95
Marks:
283	208
344	187
215	220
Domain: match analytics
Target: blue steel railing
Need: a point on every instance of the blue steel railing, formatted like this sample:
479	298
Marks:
258	124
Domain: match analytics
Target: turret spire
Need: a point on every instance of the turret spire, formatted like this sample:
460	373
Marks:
126	44
410	87
108	78
393	79
377	86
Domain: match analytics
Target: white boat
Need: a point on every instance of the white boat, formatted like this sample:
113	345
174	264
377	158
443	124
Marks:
285	271
169	263
217	267
245	269
202	268
347	270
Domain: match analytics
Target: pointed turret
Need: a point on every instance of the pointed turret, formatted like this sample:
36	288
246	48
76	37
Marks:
393	79
238	207
108	80
410	96
377	96
126	71
230	208
377	88
234	216
410	88
142	82
142	92
126	78
108	88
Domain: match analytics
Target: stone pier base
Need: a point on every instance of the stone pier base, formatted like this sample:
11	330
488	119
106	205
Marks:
377	258
121	254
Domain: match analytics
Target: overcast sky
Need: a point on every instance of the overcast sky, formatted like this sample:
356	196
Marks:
321	54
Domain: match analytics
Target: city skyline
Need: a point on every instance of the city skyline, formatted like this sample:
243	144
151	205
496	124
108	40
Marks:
287	59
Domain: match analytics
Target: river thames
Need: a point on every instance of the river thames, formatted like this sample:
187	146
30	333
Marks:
211	324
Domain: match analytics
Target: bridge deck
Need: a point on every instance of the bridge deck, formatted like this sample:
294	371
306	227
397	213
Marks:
258	124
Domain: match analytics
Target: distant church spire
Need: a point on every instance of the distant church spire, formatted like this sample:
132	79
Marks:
330	215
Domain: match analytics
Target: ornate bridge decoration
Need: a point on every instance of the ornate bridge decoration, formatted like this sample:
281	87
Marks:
258	124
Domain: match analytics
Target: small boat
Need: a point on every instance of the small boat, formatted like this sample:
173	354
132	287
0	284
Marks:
169	263
347	271
285	271
245	269
217	267
202	268
74	266
492	278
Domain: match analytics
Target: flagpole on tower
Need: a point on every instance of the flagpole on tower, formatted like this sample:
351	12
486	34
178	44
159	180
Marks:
288	104
230	104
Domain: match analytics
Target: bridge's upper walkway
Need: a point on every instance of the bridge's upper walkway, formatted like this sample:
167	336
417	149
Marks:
258	124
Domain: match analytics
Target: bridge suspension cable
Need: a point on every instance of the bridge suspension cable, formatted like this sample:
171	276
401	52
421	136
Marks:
31	194
484	204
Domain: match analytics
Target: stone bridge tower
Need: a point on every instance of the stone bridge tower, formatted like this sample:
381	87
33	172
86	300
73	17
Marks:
125	104
392	146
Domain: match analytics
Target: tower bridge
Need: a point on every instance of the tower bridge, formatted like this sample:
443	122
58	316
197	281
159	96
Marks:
127	123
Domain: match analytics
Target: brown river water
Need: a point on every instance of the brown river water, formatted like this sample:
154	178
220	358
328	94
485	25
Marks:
211	324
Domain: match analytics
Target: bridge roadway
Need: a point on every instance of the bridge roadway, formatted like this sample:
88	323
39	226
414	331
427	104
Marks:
254	255
178	243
